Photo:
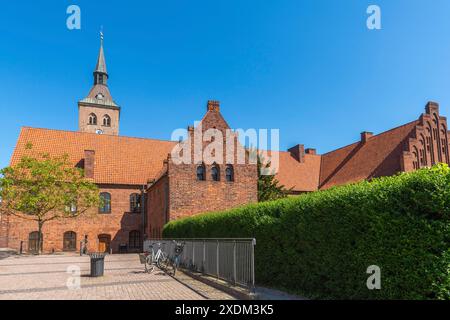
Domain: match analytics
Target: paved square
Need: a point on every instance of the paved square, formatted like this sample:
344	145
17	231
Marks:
46	278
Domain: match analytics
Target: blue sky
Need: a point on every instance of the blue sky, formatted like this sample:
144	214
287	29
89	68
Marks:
308	67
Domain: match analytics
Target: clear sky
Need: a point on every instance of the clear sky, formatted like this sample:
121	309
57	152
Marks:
310	68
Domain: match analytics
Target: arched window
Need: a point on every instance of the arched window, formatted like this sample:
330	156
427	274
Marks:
92	119
134	240
105	205
229	172
106	121
135	203
416	161
430	143
70	241
423	151
201	172
215	173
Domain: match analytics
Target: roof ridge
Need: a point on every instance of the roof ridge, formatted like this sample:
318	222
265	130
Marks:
373	137
103	135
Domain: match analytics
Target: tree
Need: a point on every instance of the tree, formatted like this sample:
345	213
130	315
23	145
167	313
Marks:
268	187
44	189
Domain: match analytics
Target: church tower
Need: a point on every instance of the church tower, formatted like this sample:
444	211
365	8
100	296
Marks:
98	113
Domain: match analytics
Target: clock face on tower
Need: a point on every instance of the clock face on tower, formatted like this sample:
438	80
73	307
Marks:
99	131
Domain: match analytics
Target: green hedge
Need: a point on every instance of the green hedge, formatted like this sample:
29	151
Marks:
319	245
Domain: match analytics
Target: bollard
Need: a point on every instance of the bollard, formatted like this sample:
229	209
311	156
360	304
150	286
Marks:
21	247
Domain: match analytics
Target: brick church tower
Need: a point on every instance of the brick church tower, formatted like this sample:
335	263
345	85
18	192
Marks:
98	113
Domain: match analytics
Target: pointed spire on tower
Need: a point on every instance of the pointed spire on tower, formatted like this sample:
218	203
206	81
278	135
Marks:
100	94
101	73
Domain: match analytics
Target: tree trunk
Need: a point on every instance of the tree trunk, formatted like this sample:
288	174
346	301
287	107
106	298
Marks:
40	244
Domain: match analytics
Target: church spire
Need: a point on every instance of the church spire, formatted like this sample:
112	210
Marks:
98	113
100	73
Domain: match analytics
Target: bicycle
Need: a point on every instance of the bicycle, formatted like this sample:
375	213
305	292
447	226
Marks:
179	246
146	260
150	259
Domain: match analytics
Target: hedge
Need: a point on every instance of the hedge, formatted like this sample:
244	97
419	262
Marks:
319	245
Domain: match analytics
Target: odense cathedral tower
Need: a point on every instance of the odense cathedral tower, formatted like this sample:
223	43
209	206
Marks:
98	113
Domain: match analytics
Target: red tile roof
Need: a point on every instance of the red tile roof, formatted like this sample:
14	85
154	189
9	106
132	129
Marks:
299	176
118	160
379	156
135	161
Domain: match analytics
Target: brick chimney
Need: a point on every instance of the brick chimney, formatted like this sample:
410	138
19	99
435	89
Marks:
213	105
89	163
311	151
365	136
298	152
432	107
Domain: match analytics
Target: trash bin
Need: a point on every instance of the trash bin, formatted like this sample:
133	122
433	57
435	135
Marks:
123	248
97	264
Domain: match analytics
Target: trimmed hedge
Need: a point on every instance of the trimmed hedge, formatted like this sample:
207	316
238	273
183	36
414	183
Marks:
319	245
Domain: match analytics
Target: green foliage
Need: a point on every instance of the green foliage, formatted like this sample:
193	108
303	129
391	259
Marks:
269	188
319	245
45	188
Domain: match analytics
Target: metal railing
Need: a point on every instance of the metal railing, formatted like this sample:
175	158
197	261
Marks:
231	260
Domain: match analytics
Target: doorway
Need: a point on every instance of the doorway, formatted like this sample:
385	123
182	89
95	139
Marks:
104	243
33	242
70	241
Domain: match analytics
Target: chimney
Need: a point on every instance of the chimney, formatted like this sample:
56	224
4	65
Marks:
432	107
298	152
213	105
365	136
311	151
89	163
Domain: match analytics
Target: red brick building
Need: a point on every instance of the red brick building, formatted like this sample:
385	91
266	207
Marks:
417	144
145	188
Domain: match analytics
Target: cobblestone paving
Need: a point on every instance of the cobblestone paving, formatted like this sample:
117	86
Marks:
205	290
46	277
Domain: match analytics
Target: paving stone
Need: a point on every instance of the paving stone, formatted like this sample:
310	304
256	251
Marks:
45	278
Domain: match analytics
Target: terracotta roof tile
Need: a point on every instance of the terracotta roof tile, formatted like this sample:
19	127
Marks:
379	156
135	161
118	160
299	176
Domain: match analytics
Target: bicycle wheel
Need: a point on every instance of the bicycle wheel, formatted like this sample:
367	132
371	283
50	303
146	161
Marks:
175	266
149	266
162	263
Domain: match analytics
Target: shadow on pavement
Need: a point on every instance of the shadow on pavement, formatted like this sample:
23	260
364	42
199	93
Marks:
6	253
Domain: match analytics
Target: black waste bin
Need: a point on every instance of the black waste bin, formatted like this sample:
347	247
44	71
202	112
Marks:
97	264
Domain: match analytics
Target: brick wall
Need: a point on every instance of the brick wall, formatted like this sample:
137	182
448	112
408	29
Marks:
187	195
117	224
428	144
83	122
3	231
157	207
